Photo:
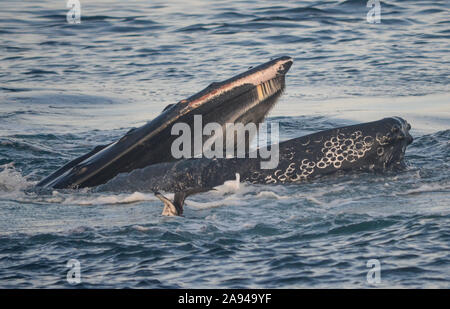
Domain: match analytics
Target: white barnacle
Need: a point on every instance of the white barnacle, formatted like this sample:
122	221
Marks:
321	164
359	146
290	169
319	139
254	175
382	140
269	179
343	147
282	178
368	140
348	142
290	156
351	158
380	151
296	178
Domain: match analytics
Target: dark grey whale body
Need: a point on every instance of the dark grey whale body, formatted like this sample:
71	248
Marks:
245	98
373	146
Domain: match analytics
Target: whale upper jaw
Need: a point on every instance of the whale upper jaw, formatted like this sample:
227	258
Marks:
247	97
260	75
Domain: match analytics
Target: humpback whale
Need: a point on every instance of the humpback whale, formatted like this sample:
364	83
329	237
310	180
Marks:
142	159
373	146
245	98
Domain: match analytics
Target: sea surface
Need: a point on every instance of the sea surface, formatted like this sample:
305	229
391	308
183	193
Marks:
65	88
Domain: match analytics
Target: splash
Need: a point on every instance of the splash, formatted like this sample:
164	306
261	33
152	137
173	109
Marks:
12	180
230	186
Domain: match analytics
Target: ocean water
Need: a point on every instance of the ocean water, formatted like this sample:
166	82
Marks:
65	88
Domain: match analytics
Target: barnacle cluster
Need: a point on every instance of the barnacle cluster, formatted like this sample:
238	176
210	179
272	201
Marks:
339	148
342	148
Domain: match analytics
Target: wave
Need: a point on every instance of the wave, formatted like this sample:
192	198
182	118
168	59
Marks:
20	144
426	188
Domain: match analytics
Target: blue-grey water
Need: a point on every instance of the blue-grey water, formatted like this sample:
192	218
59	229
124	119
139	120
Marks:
65	88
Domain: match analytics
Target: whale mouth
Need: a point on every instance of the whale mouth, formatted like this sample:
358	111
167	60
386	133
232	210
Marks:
247	97
401	131
399	139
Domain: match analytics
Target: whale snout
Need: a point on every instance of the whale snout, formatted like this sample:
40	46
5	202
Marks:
396	141
400	131
285	64
409	138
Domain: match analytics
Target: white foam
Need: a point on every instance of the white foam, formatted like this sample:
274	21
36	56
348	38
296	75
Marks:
234	193
79	230
107	199
231	200
271	194
11	180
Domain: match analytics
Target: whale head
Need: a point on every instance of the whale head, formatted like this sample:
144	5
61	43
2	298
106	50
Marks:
378	145
391	142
